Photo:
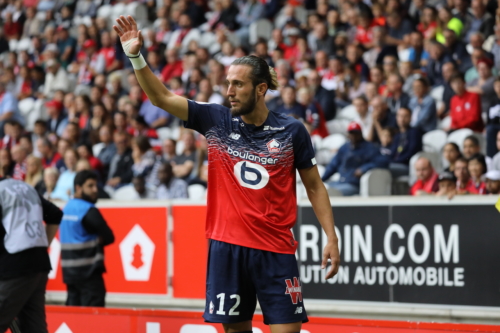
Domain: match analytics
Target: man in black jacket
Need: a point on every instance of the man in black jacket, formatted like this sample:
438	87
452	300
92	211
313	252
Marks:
120	168
325	98
24	261
84	233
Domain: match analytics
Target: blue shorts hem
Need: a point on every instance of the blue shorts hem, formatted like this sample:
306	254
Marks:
224	320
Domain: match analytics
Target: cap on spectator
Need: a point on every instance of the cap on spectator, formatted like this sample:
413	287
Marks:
493	175
354	127
50	63
89	43
292	32
447	176
54	104
62	27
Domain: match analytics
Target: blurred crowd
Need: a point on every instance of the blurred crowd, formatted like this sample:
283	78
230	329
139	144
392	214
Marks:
382	73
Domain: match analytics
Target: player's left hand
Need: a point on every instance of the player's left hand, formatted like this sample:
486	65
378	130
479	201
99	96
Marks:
331	251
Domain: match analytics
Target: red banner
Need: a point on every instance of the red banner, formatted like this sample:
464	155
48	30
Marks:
103	320
136	262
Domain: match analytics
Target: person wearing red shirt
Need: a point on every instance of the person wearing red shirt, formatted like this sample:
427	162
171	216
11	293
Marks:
173	68
49	156
465	107
85	152
141	127
427	178
107	51
292	50
465	184
19	155
11	29
364	30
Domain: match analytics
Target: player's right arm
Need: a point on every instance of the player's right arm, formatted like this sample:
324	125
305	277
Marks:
158	94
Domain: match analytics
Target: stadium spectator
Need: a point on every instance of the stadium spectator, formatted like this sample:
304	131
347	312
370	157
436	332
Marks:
382	118
57	121
144	157
447	185
397	97
437	58
457	50
56	78
427	178
46	149
363	115
62	146
493	182
13	132
418	56
451	153
325	98
471	146
8	108
398	27
183	164
120	168
66	45
448	70
184	34
85	152
483	85
64	185
446	20
19	155
465	184
32	24
170	187
465	107
353	159
480	20
46	186
290	105
493	122
406	143
477	168
143	192
168	149
6	164
33	170
423	107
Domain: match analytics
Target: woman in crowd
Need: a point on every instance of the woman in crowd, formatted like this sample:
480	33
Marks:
477	168
423	107
483	85
33	170
6	163
46	186
451	153
144	158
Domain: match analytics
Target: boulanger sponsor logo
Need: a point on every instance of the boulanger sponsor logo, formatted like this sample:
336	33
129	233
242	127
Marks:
251	157
436	260
251	175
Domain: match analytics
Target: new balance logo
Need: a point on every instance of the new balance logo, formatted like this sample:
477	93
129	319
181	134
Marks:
298	310
294	290
270	128
234	136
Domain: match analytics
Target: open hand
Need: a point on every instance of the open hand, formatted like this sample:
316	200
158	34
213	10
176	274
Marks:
331	251
127	30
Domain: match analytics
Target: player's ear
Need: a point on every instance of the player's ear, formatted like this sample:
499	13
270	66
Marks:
261	89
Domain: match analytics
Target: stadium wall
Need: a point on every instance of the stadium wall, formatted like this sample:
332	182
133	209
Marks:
411	258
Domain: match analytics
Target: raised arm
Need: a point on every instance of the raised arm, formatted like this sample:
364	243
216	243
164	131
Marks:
158	94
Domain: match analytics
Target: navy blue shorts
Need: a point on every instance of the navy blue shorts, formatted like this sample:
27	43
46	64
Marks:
238	275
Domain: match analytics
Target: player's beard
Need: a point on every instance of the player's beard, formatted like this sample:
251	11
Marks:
88	198
245	108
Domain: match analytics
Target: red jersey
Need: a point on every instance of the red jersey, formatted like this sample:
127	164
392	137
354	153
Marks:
251	177
465	112
20	171
429	186
109	55
170	71
470	188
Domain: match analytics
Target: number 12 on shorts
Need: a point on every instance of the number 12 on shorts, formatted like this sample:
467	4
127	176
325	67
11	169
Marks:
232	311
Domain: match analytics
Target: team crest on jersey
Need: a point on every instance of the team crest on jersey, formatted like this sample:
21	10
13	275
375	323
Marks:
274	146
211	308
294	290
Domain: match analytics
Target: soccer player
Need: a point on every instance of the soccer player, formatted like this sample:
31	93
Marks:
253	157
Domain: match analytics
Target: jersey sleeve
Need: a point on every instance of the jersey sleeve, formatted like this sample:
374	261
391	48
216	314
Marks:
202	117
303	150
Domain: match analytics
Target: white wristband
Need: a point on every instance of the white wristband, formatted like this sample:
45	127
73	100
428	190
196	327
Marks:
138	62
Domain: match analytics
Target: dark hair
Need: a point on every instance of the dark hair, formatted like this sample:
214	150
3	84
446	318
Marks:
462	159
455	146
48	143
88	147
82	176
143	143
424	81
405	108
457	76
474	140
27	137
481	159
140	120
261	71
41	122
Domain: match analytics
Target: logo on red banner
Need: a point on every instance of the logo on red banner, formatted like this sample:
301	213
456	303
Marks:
294	290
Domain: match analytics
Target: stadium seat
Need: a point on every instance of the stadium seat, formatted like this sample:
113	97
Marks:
118	9
179	147
376	182
96	149
164	133
196	192
262	28
24	44
105	11
125	193
445	124
459	136
207	39
434	141
437	93
26	105
13	44
138	11
349	112
329	147
435	159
